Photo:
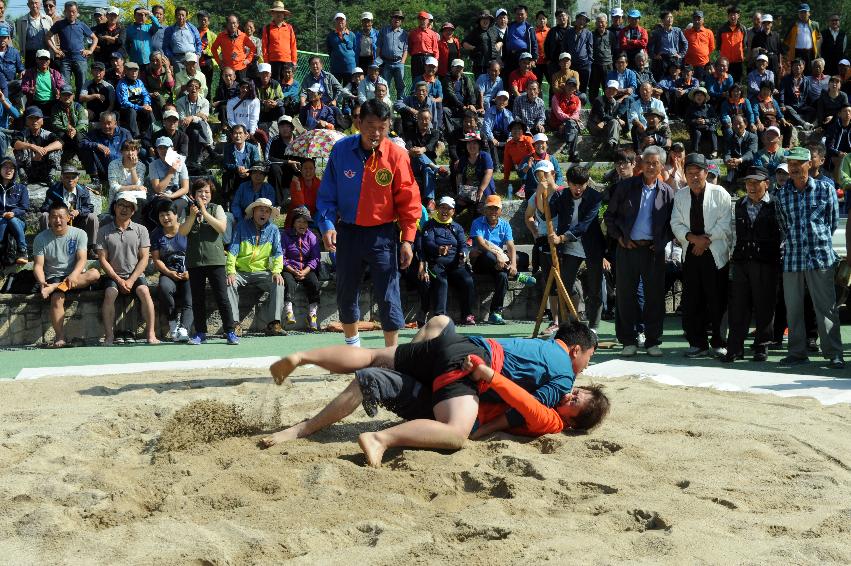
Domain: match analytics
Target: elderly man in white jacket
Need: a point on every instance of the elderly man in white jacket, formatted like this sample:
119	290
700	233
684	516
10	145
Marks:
702	223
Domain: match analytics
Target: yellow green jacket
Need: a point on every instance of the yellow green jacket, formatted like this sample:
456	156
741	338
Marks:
253	251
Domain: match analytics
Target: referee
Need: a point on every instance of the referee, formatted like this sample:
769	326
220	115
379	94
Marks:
368	184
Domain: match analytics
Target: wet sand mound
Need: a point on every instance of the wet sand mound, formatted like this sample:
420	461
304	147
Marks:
202	422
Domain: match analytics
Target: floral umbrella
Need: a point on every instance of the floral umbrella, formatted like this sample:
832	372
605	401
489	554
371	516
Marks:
314	143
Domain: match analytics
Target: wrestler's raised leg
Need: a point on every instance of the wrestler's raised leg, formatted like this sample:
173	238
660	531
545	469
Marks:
336	359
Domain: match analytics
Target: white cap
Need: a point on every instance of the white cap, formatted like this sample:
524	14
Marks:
315	88
617	12
774	129
540	137
500	11
447	200
366	16
431	61
264	68
845	62
285	118
457	63
42	53
613	84
190	58
525	55
502	93
762	57
113	10
543	165
127	196
357	70
565	55
170	114
766	18
783	167
339	15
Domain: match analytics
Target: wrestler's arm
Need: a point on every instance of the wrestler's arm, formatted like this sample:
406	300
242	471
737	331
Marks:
539	419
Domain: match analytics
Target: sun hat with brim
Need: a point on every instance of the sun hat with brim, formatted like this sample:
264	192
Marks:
366	16
448	201
485	14
493	200
699	89
798	154
285	118
249	210
339	15
543	165
278	6
113	10
127	197
697	159
757	174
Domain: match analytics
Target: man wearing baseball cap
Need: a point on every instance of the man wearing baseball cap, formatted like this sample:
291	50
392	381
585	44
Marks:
366	42
37	151
134	103
71	119
494	254
459	96
755	266
521	76
580	44
772	154
808	211
423	42
605	121
340	44
767	41
123	249
444	246
633	38
803	38
701	223
519	39
393	52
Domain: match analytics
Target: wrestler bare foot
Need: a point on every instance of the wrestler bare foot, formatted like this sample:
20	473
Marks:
284	367
372	448
286	435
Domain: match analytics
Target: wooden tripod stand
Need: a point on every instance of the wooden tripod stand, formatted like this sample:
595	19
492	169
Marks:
565	305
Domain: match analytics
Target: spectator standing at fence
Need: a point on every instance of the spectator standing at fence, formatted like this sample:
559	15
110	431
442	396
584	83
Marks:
701	43
279	40
482	43
731	43
579	42
340	43
233	48
59	265
393	52
667	45
422	43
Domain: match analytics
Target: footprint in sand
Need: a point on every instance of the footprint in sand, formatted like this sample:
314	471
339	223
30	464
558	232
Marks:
517	466
603	446
486	485
465	531
600	488
648	521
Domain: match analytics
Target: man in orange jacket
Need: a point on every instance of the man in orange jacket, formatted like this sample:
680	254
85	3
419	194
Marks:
234	48
730	39
279	40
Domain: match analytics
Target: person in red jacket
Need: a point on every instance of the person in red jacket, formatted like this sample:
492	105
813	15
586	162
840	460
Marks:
730	39
633	38
584	408
423	42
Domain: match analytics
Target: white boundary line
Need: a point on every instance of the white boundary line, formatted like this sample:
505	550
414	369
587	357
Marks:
115	369
827	390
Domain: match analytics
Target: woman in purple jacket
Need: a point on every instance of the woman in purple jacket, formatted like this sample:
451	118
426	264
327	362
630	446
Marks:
301	261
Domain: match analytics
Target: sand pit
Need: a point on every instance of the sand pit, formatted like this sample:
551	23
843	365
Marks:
676	475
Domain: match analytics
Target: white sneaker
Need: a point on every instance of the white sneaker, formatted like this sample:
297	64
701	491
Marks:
654	351
640	340
719	352
629	351
182	335
172	329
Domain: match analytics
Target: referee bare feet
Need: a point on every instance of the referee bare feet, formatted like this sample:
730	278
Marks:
372	448
283	367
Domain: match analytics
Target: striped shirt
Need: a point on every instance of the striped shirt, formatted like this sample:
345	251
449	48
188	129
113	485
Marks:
808	219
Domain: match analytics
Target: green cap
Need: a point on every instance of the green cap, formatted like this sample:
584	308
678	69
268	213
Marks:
798	154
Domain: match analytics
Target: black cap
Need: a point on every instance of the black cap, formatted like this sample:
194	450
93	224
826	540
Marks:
697	159
757	174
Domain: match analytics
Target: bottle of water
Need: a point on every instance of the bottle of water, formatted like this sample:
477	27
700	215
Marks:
510	192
